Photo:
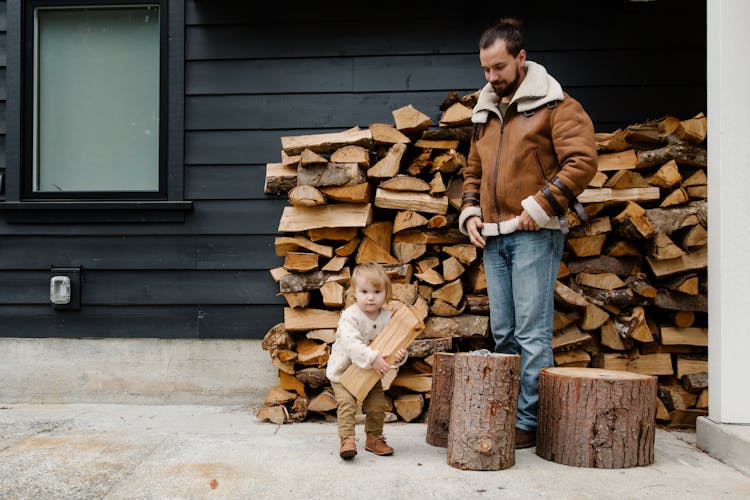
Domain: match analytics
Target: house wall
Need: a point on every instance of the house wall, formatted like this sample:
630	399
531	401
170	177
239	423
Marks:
252	77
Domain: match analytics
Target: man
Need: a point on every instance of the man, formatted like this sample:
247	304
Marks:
532	152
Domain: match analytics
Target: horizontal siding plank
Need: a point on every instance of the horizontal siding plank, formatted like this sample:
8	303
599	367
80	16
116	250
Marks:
3	52
236	118
304	110
196	12
236	147
239	252
222	182
269	76
571	26
148	287
239	147
326	39
2	154
204	322
3	84
437	72
252	217
201	12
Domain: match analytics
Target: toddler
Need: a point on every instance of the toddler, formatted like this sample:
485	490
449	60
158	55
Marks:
358	325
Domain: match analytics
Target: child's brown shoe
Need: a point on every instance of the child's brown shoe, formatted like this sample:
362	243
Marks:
377	445
348	448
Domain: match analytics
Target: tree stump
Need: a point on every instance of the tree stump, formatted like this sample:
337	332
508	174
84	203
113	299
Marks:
441	394
481	433
591	417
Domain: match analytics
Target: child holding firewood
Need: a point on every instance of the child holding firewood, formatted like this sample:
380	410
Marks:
358	325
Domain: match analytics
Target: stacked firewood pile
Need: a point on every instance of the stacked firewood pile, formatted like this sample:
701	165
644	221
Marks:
631	292
632	288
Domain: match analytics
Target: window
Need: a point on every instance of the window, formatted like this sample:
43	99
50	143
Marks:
95	120
99	112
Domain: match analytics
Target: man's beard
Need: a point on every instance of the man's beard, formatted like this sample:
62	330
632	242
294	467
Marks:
509	89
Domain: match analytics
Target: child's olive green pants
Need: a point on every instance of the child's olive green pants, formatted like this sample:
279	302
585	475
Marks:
373	407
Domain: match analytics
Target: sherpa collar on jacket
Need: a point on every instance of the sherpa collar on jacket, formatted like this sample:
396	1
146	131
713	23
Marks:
536	89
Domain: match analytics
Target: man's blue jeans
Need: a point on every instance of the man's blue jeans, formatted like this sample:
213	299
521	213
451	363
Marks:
521	270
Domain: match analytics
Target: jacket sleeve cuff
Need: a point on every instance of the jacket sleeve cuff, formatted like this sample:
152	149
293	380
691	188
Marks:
535	210
465	214
372	355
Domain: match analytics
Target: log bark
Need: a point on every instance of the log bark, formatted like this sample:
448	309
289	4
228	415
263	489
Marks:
279	178
695	382
596	418
421	348
330	175
671	219
482	425
621	266
683	154
439	411
667	299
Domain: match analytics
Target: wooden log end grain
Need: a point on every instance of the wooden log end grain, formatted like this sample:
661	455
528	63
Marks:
591	417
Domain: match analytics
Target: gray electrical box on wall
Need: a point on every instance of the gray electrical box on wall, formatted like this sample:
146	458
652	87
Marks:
65	287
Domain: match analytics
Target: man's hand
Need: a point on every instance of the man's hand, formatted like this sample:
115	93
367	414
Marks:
474	227
525	222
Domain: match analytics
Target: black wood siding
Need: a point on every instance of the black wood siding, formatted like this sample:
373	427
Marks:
252	77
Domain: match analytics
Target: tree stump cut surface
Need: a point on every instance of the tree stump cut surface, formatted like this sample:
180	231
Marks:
441	395
481	433
590	417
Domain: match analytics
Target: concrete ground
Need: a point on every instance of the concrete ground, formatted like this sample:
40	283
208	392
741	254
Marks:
195	452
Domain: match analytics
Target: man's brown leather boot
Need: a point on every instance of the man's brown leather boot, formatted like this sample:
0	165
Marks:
525	439
348	448
377	445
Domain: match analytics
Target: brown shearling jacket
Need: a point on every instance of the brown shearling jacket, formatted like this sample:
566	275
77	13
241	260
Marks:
546	137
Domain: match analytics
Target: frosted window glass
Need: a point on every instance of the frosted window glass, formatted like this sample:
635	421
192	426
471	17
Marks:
96	106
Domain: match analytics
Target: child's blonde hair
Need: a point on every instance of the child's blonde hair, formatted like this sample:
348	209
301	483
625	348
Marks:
373	273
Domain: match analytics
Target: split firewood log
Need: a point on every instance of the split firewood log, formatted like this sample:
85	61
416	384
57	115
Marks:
410	121
326	143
